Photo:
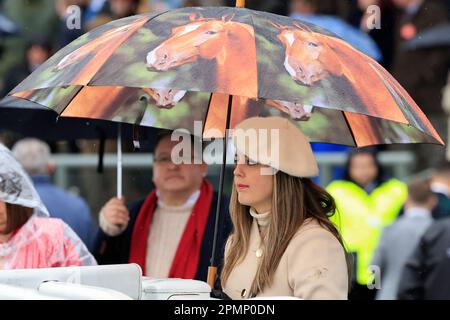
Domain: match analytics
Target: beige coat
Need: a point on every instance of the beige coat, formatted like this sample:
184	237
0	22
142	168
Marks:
312	267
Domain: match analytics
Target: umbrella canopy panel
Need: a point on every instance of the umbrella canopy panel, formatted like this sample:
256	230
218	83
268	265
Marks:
140	108
170	69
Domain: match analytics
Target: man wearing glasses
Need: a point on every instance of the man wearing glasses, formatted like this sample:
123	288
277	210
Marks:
170	232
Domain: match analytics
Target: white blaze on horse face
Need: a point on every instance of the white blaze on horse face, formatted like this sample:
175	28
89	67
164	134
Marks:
152	58
289	68
308	108
189	28
179	95
289	41
289	36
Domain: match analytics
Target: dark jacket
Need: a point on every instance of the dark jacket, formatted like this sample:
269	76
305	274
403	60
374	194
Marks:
423	73
427	272
70	208
116	250
442	210
13	78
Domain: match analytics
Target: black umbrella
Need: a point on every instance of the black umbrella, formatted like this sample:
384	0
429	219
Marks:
438	36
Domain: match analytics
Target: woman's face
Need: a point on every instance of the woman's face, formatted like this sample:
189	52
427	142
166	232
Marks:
363	169
2	217
253	185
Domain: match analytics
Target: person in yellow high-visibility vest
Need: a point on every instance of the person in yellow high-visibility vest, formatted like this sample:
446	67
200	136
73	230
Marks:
366	203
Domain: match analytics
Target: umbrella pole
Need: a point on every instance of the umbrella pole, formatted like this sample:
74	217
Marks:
212	269
240	3
119	161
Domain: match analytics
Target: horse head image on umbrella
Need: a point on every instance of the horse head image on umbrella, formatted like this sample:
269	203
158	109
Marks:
219	66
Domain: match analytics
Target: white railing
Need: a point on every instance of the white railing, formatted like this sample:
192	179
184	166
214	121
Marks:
401	163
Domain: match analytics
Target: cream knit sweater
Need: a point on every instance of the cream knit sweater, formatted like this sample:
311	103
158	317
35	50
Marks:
262	219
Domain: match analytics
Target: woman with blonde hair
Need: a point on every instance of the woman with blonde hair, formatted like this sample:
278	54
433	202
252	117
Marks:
283	243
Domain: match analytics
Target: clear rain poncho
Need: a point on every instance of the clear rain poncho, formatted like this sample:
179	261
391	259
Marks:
42	242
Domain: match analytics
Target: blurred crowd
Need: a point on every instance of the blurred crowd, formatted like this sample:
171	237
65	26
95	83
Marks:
397	232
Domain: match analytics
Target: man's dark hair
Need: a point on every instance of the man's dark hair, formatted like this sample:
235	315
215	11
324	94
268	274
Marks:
419	190
40	42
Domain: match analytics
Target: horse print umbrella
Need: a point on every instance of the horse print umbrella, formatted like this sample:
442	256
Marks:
170	69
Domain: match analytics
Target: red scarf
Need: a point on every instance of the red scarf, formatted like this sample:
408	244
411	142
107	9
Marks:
187	256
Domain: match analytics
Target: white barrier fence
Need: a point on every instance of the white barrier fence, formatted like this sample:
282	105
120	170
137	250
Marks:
401	163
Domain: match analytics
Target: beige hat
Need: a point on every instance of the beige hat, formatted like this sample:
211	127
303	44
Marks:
286	148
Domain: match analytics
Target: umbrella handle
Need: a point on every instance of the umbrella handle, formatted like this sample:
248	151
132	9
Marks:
212	273
240	3
119	161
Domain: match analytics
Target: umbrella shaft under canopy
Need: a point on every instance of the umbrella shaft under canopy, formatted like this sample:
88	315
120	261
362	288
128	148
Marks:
240	3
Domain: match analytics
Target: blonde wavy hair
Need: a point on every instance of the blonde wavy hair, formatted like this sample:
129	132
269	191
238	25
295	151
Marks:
293	201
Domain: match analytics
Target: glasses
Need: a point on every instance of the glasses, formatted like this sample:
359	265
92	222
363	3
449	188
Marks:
163	160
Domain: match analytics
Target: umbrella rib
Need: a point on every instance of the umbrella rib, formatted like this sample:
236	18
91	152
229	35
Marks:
68	104
256	55
27	99
350	128
207	112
